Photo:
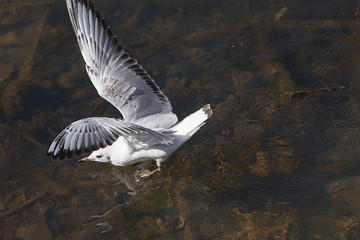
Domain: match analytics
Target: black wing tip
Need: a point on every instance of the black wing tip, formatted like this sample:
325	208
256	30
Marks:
90	6
119	48
130	63
67	155
50	155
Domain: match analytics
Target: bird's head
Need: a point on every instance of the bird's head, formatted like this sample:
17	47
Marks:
97	156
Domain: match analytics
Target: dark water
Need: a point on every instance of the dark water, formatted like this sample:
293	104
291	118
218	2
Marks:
279	159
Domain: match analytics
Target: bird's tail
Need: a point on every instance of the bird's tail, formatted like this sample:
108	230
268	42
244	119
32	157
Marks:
192	123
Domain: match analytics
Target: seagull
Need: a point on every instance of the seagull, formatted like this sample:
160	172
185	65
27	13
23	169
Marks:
148	129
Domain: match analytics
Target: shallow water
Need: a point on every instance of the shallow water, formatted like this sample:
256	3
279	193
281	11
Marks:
279	159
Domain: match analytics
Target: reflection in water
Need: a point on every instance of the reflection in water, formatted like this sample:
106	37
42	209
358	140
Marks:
266	167
119	183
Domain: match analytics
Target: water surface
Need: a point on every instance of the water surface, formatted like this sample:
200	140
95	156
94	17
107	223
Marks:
279	159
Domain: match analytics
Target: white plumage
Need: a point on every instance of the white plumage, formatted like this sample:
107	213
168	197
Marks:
149	128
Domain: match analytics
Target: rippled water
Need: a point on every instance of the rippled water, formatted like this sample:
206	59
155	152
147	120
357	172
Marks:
279	159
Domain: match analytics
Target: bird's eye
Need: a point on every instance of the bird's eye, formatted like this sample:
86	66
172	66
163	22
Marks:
99	156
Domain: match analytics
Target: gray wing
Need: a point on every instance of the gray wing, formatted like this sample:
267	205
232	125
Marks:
90	134
117	76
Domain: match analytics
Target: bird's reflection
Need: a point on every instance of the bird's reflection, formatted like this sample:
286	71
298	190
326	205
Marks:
120	185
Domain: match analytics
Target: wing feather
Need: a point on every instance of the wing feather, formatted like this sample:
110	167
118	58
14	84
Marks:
117	76
73	142
90	134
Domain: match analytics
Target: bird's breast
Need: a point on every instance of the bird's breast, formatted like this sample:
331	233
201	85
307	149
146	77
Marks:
123	152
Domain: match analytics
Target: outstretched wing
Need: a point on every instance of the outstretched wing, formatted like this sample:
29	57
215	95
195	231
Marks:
117	76
90	134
